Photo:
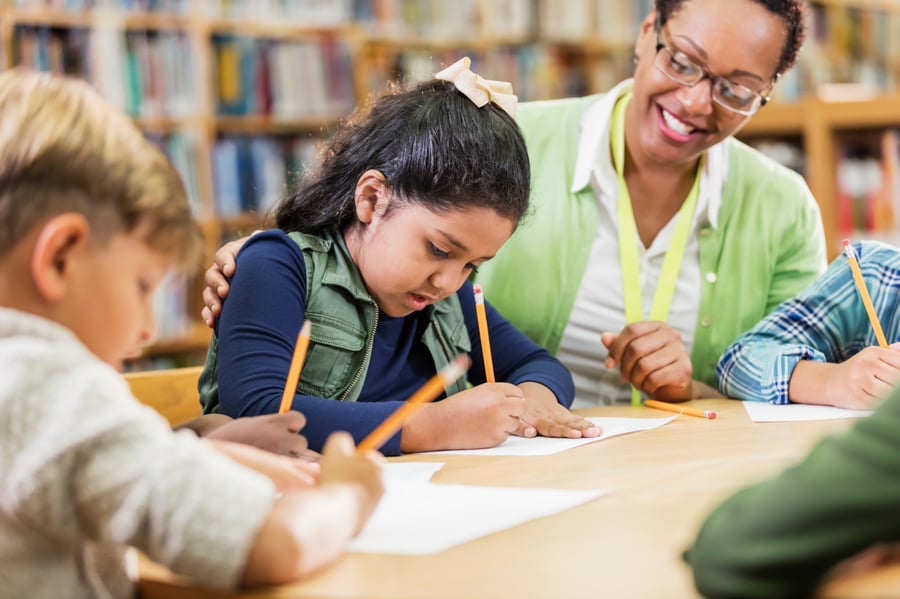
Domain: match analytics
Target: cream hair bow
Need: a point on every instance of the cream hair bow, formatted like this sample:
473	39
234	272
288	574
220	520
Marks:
478	89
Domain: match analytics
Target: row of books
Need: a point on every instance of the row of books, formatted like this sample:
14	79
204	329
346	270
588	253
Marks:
167	6
613	21
298	79
441	20
867	176
851	44
537	72
147	75
318	13
159	81
252	173
868	179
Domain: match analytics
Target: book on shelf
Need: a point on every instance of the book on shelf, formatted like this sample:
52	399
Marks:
253	173
868	182
308	78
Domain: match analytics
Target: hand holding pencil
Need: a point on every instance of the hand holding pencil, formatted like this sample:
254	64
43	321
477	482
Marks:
429	391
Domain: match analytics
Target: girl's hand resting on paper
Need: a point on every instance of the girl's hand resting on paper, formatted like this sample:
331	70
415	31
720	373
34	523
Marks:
651	356
546	417
483	416
341	465
216	279
858	383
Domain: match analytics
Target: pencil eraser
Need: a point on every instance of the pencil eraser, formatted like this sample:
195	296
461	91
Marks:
710	414
845	242
477	288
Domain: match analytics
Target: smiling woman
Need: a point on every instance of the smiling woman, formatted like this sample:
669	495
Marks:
657	213
375	250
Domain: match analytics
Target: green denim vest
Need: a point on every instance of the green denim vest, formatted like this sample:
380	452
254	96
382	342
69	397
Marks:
344	320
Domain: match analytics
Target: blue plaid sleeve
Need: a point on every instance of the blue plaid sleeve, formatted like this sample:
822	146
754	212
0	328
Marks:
826	322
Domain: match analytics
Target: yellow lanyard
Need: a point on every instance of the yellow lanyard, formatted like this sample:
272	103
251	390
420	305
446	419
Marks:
628	240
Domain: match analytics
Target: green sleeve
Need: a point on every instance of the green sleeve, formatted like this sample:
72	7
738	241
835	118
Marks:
780	537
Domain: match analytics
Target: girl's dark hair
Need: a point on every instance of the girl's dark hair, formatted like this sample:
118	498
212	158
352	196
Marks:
792	12
434	147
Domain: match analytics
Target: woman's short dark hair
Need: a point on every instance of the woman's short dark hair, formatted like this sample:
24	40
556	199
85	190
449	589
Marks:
792	12
435	148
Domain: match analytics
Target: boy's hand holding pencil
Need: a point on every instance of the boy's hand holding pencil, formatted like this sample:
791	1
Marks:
359	472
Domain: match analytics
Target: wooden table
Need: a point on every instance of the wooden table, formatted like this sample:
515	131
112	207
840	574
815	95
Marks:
626	544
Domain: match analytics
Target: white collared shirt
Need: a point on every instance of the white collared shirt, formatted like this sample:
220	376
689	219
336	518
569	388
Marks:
599	304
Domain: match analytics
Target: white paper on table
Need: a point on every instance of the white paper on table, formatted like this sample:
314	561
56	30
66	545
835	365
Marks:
760	411
419	519
547	445
409	472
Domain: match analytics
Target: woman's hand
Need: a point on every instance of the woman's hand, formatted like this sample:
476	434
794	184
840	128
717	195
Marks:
651	356
216	278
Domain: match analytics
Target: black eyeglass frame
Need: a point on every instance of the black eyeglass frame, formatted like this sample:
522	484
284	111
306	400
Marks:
706	74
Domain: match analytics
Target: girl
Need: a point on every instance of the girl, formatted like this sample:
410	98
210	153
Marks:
376	250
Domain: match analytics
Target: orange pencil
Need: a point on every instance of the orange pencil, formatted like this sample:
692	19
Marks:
864	293
426	393
669	407
290	387
483	334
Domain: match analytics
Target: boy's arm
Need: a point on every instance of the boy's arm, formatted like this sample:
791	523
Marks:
779	538
817	325
308	528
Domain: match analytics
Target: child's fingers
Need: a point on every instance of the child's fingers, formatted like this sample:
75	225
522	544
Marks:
339	442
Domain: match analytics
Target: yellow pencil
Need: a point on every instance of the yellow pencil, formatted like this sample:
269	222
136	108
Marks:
483	334
864	293
669	407
426	393
290	387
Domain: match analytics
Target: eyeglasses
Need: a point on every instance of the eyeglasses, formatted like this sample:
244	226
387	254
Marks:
682	69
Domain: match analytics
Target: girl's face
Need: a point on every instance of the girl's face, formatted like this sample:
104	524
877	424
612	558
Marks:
414	257
669	124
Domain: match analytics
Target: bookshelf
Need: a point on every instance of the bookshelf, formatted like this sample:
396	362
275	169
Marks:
239	92
839	110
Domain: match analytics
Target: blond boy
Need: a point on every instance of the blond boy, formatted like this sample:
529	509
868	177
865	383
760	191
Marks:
92	217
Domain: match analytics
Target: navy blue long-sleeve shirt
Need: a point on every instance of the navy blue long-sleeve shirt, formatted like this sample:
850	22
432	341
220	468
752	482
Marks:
257	332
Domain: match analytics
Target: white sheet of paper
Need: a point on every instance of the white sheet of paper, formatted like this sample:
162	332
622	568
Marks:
547	445
409	472
760	411
419	519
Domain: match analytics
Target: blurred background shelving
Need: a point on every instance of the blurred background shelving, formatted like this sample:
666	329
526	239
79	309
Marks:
239	93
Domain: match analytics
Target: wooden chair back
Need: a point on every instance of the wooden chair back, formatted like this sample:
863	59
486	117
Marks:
172	392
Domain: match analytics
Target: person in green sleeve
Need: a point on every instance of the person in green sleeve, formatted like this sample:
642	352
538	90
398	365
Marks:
784	536
656	238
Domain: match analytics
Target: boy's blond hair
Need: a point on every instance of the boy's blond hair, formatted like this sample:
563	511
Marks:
64	149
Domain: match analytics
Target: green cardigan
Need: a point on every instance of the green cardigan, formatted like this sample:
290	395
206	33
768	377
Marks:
779	538
768	244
